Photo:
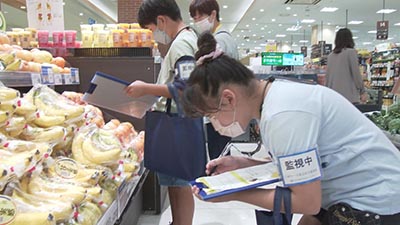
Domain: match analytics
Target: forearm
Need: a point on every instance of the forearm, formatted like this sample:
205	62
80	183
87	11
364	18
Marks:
303	201
158	90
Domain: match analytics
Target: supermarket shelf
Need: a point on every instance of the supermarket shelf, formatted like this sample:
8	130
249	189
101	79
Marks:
26	79
126	192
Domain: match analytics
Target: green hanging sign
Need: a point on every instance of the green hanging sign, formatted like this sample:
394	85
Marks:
2	22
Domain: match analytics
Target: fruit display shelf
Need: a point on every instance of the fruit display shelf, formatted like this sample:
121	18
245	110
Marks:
27	79
128	200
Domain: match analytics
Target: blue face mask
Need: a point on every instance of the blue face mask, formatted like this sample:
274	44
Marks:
161	37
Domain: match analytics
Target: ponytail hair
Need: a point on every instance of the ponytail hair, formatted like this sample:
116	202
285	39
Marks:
214	70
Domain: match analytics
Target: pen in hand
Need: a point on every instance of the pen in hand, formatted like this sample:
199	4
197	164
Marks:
224	152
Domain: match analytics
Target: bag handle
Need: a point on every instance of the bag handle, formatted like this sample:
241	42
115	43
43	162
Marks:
285	194
175	96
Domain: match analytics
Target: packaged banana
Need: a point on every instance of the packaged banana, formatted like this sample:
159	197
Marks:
52	135
38	210
96	146
7	94
14	126
25	108
52	103
86	214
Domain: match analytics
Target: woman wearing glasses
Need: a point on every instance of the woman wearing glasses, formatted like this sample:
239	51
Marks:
331	157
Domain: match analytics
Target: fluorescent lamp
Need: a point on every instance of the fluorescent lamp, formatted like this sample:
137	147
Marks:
280	35
372	32
263	44
261	10
356	22
397	24
386	11
270	40
253	18
308	21
329	9
273	20
355	37
303	41
367	43
293	28
225	6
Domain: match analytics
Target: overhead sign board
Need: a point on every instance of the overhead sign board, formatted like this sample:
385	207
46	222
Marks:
282	59
382	30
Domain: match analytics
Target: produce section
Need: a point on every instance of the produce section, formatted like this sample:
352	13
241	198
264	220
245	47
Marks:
61	163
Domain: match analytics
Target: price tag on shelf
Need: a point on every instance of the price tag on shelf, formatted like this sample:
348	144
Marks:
47	75
75	75
58	79
36	79
67	78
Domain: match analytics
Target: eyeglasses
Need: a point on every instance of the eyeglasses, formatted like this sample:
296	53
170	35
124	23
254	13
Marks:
228	148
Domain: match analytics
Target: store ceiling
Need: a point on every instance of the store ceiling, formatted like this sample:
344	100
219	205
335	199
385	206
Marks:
253	22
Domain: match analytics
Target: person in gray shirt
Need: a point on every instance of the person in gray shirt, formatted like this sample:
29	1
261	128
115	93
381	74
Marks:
343	73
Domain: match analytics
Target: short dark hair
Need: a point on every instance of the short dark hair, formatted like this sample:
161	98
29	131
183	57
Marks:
206	79
150	9
343	39
204	7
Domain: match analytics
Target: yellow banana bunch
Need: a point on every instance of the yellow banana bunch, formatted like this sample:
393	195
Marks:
4	116
8	106
14	126
34	218
46	121
14	145
14	66
52	135
97	155
26	202
76	148
56	189
7	58
20	162
54	104
24	107
89	214
7	94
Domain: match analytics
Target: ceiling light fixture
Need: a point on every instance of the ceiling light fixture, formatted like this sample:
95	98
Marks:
261	10
308	21
386	11
288	8
253	18
367	43
397	24
225	6
329	9
23	7
355	37
294	28
280	35
273	20
294	15
372	32
303	41
356	22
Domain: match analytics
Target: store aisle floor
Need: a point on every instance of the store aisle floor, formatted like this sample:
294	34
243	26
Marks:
229	213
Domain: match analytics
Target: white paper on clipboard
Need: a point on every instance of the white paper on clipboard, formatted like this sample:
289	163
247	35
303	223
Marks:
108	92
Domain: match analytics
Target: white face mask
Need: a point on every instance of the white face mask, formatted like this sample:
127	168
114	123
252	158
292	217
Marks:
232	130
203	25
161	37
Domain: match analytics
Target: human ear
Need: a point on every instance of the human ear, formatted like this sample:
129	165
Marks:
213	16
228	98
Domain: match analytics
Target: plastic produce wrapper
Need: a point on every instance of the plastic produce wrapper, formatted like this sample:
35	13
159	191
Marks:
54	109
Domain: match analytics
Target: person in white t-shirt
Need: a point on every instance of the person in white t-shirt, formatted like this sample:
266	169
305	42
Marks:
331	156
205	14
164	19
